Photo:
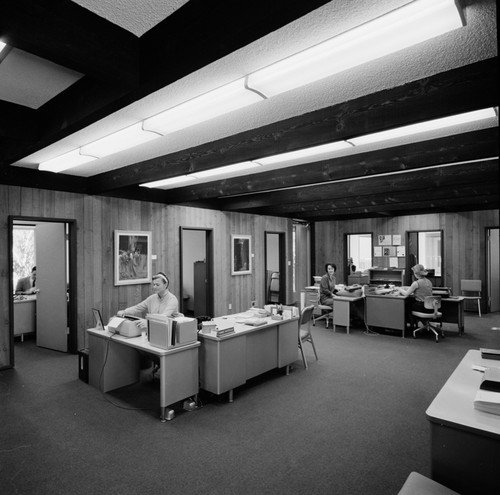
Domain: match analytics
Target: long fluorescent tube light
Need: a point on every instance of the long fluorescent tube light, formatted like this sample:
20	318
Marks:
118	141
227	169
2	45
313	153
220	101
411	24
167	182
430	125
63	162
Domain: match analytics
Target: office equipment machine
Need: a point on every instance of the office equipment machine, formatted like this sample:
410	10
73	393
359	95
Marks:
167	332
125	327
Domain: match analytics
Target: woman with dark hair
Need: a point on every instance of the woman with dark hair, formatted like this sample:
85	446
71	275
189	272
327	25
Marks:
327	284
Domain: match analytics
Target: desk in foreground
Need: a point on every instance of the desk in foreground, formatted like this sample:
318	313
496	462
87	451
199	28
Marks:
465	442
228	361
114	363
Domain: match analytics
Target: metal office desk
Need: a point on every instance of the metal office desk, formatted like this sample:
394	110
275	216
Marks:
465	442
228	361
387	311
24	315
342	306
114	363
452	309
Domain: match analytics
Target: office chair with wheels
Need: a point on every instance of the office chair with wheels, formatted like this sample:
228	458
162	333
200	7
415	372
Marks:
326	311
471	291
430	302
305	334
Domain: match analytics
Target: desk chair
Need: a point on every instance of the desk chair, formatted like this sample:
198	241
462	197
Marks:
471	291
305	334
274	288
430	302
326	311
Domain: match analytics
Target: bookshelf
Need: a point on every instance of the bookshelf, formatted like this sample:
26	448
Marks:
386	276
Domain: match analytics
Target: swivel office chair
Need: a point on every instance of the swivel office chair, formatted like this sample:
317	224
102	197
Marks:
326	311
305	334
430	302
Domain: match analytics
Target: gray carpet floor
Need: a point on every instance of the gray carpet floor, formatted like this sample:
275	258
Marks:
353	423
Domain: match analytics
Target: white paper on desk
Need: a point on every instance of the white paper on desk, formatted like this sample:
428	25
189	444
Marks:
487	401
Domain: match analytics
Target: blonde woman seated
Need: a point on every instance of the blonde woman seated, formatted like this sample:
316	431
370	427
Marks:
420	288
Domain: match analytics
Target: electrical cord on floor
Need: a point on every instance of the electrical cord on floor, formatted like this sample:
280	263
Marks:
104	393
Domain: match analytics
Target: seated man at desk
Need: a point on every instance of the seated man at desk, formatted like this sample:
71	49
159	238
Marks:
420	288
162	301
27	285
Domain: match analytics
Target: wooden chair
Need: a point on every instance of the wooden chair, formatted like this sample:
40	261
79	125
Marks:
471	291
305	334
430	302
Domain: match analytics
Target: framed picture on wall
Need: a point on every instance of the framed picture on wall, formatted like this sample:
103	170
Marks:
241	256
132	257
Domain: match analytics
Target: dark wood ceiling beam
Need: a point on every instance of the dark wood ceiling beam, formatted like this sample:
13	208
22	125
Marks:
70	35
456	148
459	90
384	185
393	200
26	177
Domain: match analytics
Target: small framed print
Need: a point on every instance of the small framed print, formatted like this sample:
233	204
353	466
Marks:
384	240
241	256
132	257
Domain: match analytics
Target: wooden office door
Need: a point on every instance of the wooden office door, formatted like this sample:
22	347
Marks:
51	301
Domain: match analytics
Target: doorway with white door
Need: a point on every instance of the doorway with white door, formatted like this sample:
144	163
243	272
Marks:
49	314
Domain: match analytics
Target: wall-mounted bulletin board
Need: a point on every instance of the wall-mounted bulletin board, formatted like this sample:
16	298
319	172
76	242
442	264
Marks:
389	253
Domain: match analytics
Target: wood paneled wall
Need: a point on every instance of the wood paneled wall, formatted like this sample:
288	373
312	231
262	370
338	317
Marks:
464	241
98	217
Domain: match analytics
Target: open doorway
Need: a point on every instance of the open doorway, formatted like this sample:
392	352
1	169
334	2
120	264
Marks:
50	313
275	267
196	298
426	248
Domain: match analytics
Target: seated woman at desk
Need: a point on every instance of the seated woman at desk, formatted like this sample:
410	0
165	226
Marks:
162	301
421	288
327	284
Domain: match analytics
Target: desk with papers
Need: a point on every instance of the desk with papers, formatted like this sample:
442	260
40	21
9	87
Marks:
229	360
465	442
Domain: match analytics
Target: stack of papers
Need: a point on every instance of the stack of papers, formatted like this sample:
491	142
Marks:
487	401
488	396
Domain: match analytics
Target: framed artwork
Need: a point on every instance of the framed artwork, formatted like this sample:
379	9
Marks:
132	257
241	256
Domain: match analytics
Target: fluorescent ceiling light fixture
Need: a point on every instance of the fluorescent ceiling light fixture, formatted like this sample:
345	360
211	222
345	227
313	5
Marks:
167	182
63	162
430	125
411	24
227	169
118	141
220	101
314	153
2	45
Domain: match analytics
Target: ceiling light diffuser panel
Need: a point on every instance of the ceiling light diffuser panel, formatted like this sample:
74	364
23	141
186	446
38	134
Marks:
416	22
220	101
63	162
119	141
